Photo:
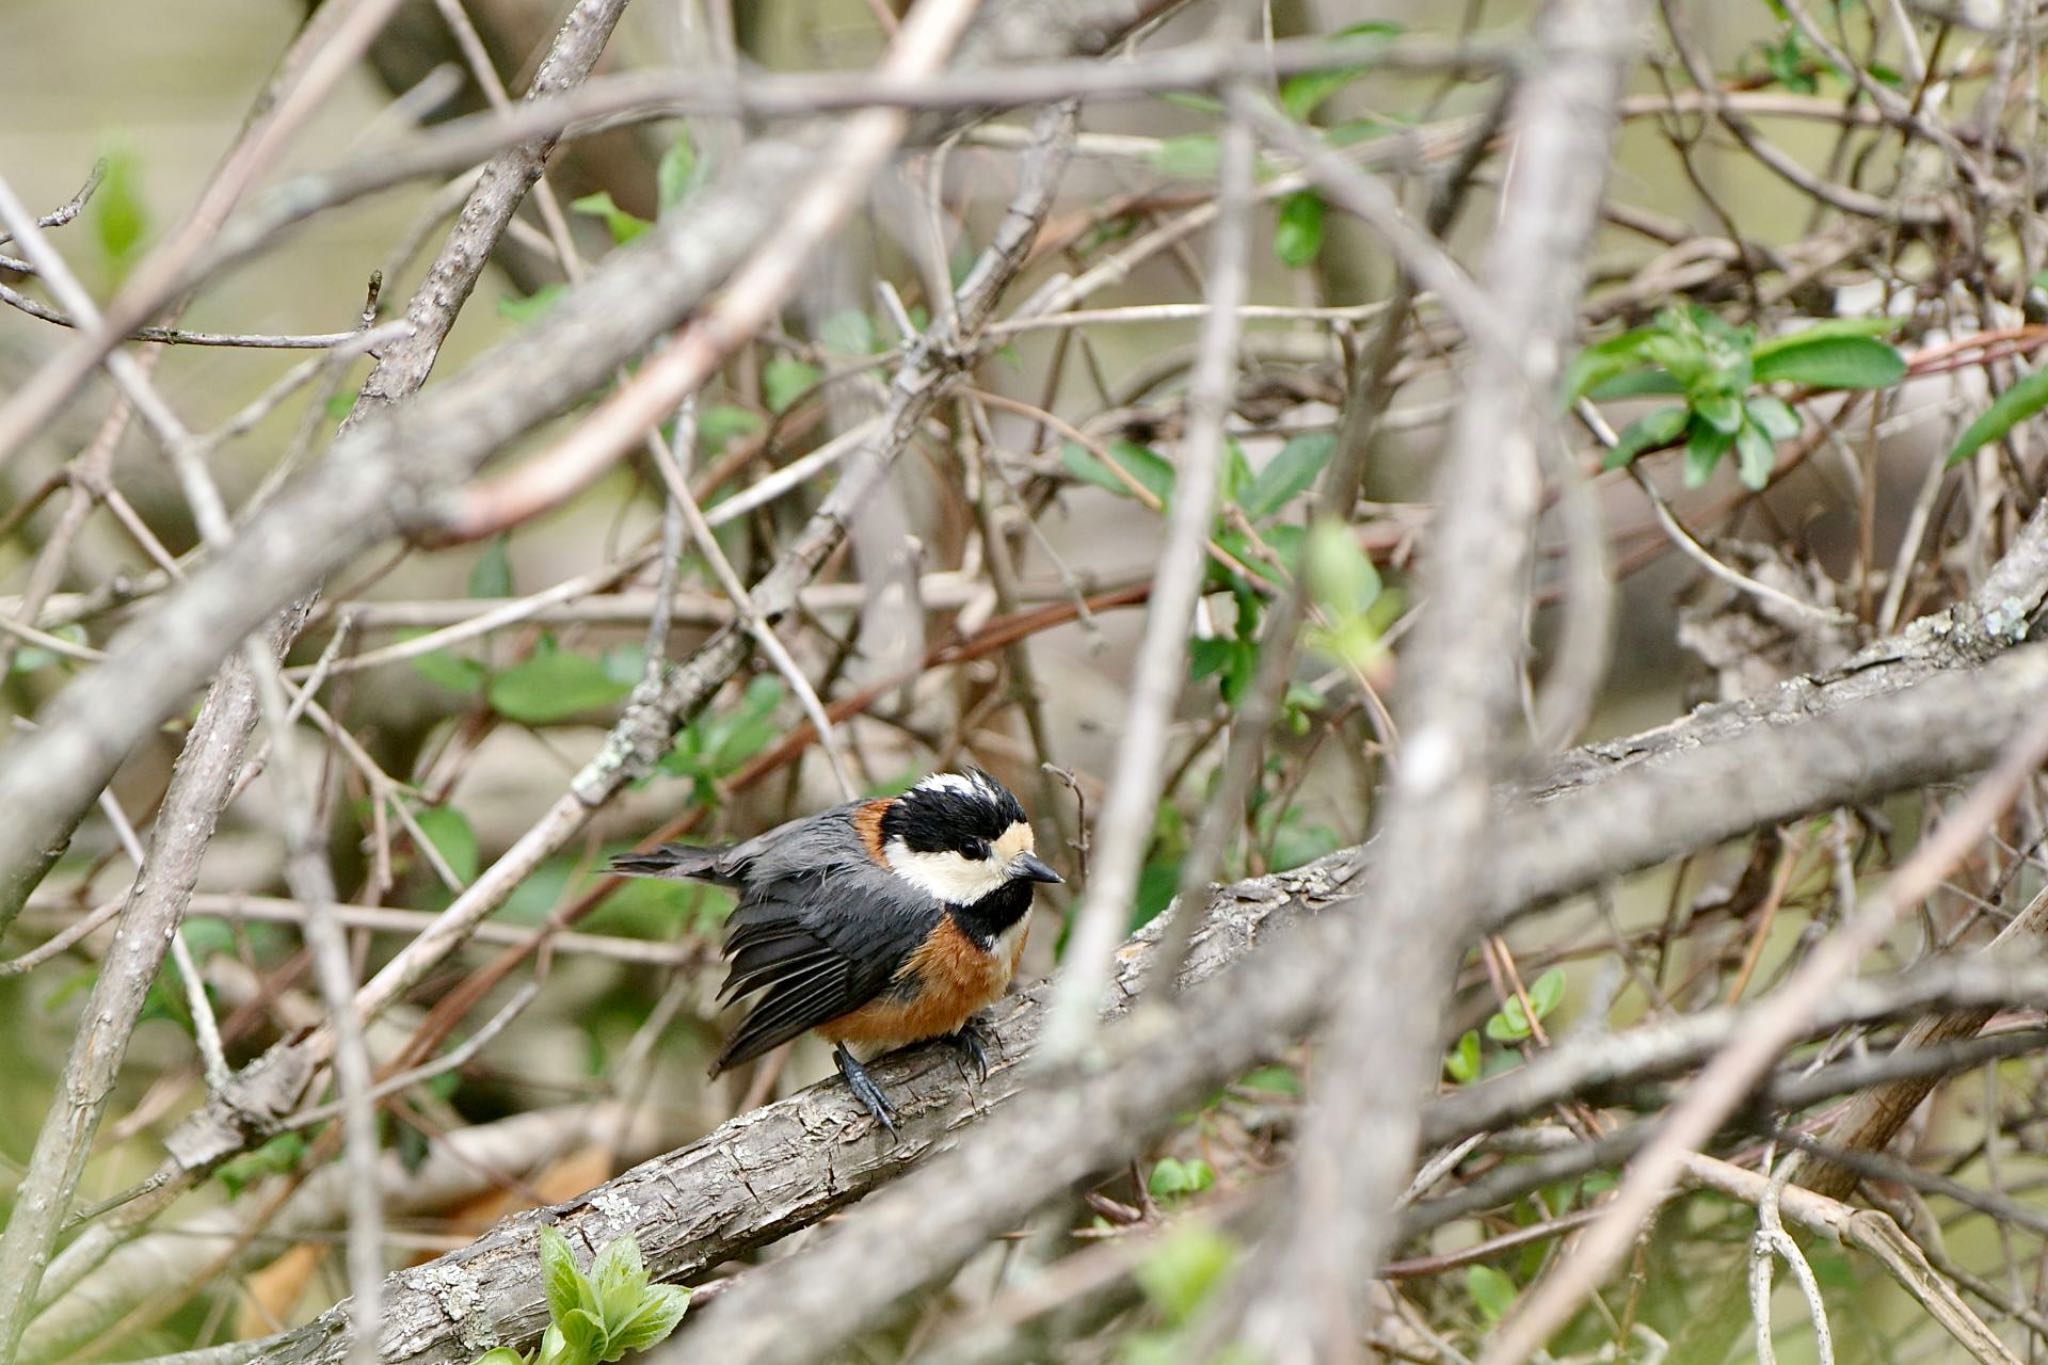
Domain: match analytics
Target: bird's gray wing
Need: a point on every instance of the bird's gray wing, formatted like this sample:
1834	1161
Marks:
810	844
807	843
817	945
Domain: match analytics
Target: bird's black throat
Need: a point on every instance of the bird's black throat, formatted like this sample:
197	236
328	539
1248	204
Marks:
987	918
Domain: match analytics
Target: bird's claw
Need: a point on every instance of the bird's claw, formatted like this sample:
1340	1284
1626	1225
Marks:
970	1041
865	1090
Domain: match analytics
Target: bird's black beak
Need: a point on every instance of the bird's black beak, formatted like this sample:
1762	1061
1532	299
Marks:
1031	869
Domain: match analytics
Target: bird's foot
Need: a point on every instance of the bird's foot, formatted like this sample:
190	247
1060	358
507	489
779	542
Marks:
970	1040
864	1089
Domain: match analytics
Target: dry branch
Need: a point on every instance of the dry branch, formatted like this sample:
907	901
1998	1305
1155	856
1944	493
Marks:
1459	713
395	472
789	1164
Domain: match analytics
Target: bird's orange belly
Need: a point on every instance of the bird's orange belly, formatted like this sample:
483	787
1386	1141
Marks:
955	977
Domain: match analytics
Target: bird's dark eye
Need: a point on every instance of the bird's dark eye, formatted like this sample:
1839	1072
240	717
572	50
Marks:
979	848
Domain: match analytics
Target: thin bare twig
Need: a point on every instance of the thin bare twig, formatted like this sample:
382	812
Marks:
1125	826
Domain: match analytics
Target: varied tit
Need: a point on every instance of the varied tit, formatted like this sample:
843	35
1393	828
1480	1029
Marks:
878	923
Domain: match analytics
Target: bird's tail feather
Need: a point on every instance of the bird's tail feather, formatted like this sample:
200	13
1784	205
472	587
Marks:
678	862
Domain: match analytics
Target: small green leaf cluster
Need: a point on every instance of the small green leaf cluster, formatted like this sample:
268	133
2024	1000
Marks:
1717	370
715	745
1298	224
1246	500
599	1316
1173	1178
678	174
1508	1025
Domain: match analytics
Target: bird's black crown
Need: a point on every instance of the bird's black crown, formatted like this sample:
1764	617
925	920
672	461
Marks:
962	812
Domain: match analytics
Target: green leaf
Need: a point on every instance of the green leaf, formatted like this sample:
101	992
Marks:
491	575
1773	416
1298	233
452	671
120	219
1703	450
1302	94
1755	455
1461	1063
1168	1178
1492	1291
1788	64
1604	360
581	1336
450	833
1144	465
1636	384
718	742
1509	1024
661	1307
623	226
1189	1264
1237	471
1194	156
619	1277
676	176
1659	427
1546	992
1277	1080
1234	661
849	332
532	306
1288	474
560	1280
720	424
1340	575
500	1355
2010	408
1832	327
785	379
1829	362
1722	411
552	685
1172	1177
275	1157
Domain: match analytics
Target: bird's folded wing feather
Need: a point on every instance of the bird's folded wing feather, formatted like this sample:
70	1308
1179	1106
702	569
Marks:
818	946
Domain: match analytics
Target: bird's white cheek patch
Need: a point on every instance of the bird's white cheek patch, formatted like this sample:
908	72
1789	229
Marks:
1015	840
952	878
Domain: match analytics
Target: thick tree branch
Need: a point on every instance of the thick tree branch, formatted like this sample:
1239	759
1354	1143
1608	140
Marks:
789	1164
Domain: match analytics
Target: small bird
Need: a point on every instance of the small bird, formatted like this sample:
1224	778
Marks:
878	923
